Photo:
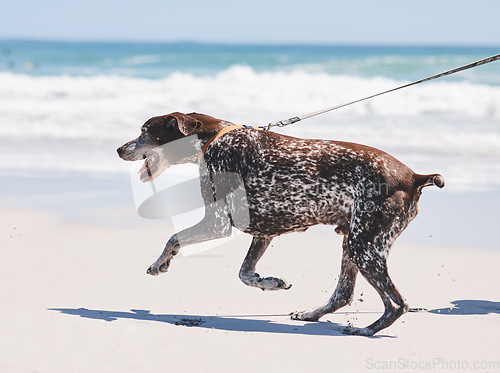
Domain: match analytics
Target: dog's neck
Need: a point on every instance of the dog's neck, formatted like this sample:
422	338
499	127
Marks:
207	132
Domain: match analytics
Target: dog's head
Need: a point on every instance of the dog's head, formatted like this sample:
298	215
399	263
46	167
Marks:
168	140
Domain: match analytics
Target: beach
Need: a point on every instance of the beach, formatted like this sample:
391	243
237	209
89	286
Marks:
76	297
75	246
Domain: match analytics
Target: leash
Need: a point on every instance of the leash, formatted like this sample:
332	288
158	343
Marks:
286	122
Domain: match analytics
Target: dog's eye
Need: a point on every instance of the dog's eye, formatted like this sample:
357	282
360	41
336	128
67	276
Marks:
143	130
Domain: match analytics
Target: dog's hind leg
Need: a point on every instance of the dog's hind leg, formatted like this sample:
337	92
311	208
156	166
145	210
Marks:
247	272
375	272
343	292
369	240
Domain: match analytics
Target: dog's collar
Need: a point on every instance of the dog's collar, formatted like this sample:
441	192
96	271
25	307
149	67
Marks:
221	133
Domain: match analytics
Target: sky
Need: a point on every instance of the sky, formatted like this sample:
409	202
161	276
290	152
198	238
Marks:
363	22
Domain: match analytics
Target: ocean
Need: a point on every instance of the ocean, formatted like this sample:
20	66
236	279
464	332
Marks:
66	106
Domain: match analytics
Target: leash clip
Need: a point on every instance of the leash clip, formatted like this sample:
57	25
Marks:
281	123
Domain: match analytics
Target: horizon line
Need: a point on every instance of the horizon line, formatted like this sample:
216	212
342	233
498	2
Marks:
245	43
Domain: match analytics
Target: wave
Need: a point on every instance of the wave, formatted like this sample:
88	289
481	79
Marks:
65	106
76	123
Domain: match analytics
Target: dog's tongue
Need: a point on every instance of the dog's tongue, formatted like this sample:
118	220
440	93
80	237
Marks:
144	168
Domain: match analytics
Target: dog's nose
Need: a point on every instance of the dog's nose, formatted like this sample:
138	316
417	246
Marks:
120	150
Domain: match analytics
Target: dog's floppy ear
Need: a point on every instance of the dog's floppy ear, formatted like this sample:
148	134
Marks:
186	123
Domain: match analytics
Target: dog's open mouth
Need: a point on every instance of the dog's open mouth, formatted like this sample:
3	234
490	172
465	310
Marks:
149	167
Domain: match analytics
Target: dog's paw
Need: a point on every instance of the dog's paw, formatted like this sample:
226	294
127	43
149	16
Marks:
304	316
273	283
153	271
351	330
268	283
158	267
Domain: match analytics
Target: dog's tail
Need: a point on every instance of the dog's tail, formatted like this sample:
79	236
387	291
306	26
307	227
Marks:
421	181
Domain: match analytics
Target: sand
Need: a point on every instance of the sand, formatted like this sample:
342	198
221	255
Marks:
75	297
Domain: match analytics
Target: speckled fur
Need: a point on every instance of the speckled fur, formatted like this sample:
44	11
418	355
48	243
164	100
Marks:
267	184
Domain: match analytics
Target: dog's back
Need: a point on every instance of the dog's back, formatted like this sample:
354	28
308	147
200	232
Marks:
293	183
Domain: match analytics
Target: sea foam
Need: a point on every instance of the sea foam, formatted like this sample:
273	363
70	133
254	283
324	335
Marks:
438	119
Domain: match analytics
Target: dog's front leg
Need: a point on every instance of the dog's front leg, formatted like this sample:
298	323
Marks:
247	272
214	225
163	262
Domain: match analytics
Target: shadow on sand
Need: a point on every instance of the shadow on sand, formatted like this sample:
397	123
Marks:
241	323
469	307
262	323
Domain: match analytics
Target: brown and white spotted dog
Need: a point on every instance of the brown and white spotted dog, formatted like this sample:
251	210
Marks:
289	184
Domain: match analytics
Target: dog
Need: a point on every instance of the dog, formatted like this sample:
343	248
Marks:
289	184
